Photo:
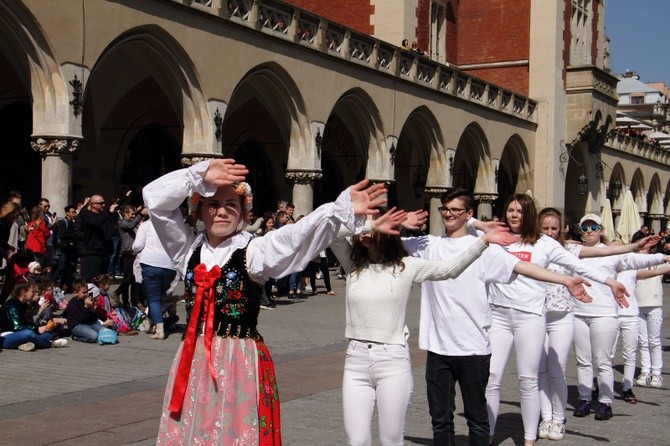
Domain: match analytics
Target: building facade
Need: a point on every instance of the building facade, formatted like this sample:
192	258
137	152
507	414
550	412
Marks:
102	96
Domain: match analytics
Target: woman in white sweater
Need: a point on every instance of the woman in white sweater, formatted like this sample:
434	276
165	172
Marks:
380	275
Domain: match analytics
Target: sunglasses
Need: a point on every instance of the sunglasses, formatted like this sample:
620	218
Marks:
592	228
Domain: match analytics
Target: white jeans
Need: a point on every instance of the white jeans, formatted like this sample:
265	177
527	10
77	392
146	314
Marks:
629	327
594	337
380	372
526	331
557	345
651	352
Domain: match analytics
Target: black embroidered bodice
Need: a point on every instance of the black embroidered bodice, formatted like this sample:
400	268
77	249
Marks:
237	298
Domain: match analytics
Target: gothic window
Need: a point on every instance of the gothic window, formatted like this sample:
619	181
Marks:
438	30
581	34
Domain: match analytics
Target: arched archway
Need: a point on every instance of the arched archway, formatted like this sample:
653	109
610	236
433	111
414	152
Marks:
353	144
513	174
417	160
637	188
158	100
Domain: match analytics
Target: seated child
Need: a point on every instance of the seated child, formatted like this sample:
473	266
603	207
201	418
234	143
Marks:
125	322
17	327
81	315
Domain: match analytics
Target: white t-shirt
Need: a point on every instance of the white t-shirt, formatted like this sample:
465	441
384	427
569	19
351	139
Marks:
526	294
649	291
603	303
455	313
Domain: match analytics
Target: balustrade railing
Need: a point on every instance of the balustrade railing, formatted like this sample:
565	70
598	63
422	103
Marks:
286	21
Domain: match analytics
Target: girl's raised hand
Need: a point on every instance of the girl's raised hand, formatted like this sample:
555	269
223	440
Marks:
500	236
415	219
365	200
224	172
648	242
388	223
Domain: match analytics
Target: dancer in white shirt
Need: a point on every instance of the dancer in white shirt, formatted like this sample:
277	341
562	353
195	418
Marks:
596	323
518	311
222	387
377	368
456	318
560	325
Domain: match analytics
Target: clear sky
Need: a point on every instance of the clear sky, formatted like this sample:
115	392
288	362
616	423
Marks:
638	32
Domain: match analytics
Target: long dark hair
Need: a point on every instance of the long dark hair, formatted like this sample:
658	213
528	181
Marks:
530	231
382	250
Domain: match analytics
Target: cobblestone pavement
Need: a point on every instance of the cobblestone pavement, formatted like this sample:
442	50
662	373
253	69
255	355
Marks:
112	395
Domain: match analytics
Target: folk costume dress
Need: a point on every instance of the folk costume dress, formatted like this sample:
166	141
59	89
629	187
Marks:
222	388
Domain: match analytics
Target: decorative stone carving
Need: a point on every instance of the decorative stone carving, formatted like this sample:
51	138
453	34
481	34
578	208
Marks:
189	159
303	176
486	198
51	145
435	191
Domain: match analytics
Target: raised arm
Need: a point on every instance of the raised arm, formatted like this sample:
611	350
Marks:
649	273
163	196
611	250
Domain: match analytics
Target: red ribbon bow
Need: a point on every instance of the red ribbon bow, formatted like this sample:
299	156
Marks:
204	281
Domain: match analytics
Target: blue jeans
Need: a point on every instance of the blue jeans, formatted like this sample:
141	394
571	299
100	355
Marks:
86	332
17	338
155	282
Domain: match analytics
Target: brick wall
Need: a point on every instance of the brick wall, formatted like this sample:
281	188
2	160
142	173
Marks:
495	31
353	14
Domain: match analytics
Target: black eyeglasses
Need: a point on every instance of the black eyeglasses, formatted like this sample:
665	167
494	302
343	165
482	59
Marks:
99	202
452	211
592	228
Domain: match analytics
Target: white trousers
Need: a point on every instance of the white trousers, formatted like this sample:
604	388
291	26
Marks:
552	382
594	337
381	373
526	331
651	352
628	329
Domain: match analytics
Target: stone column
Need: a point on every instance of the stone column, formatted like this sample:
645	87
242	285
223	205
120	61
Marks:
435	225
303	189
643	216
616	216
57	153
485	205
655	222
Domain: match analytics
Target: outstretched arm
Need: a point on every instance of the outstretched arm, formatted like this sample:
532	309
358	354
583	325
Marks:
649	273
591	251
415	219
573	284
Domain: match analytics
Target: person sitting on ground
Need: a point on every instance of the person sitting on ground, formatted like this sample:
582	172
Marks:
82	320
46	305
125	321
20	266
18	330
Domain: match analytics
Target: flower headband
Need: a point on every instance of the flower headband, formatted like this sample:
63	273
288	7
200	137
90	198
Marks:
241	188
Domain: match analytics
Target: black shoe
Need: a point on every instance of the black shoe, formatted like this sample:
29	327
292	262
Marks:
583	409
604	412
629	396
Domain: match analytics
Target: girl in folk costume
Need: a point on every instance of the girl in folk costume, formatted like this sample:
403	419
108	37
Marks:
222	387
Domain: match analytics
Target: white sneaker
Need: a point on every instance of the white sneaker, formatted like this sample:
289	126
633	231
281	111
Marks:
556	430
656	381
643	380
543	431
308	289
26	347
319	275
59	343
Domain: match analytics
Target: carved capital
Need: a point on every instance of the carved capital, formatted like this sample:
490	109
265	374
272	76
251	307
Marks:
303	176
435	191
657	216
54	145
486	198
189	159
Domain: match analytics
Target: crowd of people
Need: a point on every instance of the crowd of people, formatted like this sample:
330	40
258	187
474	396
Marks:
485	286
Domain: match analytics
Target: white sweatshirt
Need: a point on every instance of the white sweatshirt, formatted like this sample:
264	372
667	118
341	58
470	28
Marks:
629	279
528	294
603	302
377	295
455	313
